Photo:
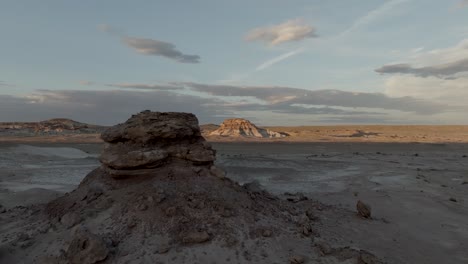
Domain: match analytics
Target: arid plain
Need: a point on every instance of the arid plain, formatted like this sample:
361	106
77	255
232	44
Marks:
415	178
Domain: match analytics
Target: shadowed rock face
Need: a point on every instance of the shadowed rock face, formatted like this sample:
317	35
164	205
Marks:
238	127
149	140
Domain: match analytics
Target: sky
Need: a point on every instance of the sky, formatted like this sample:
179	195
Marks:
274	62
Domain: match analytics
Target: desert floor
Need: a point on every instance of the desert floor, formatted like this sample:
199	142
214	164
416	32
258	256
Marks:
418	192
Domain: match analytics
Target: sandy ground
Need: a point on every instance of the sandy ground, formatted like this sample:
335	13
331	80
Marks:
418	192
356	133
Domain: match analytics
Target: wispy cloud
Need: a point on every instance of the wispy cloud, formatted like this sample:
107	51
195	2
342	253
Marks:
143	86
463	3
284	96
277	59
151	47
292	30
211	103
381	11
4	84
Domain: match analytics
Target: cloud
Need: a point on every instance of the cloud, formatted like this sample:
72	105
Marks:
143	86
151	47
102	107
440	71
280	58
292	30
382	11
213	103
441	76
447	91
448	63
5	84
154	47
281	96
463	3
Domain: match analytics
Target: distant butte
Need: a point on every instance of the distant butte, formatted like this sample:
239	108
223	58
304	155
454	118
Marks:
48	127
239	127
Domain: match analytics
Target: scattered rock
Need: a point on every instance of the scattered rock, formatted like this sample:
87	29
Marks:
323	247
163	249
295	198
297	260
70	219
217	172
453	200
310	214
2	209
306	229
363	209
171	211
253	187
367	258
86	248
196	237
266	233
142	207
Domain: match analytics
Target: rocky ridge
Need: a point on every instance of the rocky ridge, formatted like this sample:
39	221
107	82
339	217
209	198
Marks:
49	127
238	127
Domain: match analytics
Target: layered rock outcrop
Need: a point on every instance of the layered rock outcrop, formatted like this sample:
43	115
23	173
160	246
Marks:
150	140
239	127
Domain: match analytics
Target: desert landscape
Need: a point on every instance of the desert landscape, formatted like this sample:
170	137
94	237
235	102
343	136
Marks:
416	191
212	132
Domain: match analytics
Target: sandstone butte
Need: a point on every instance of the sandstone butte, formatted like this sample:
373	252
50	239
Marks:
239	127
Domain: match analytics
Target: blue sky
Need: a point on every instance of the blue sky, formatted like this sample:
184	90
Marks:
175	54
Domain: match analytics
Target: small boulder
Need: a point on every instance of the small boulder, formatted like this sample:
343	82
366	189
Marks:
217	172
86	248
196	237
363	209
70	219
266	233
296	260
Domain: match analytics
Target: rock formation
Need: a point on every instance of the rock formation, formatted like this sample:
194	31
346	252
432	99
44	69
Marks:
238	127
158	198
150	140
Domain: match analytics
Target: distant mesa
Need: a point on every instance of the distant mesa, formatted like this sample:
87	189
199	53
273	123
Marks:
239	127
51	126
